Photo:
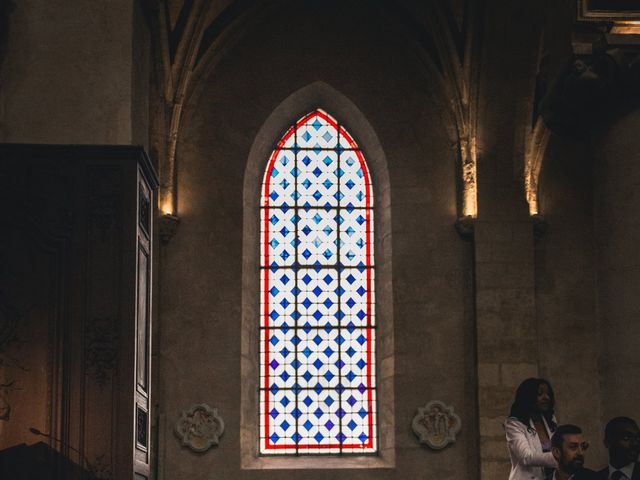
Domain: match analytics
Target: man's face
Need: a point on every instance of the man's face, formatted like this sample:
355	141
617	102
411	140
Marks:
624	446
570	457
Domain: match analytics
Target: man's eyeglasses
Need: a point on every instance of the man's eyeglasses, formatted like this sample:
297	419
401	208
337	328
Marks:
584	446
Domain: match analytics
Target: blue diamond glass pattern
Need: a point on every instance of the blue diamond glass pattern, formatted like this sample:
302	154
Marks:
317	294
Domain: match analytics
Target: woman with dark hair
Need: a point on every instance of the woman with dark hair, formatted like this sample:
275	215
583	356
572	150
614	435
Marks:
529	428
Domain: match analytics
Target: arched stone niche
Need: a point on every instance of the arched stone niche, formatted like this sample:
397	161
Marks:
318	94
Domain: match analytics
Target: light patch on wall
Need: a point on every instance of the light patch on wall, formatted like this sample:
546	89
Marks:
468	151
537	141
166	208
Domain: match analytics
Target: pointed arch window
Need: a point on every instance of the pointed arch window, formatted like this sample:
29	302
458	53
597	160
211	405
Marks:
317	297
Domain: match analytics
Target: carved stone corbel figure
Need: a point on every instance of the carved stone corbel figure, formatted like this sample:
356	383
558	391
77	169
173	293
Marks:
436	425
199	428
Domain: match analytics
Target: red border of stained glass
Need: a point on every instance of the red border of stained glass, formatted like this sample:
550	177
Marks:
368	209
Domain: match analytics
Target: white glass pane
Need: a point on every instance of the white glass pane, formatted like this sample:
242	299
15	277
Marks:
355	190
278	236
356	237
317	298
317	181
357	297
317	133
318	237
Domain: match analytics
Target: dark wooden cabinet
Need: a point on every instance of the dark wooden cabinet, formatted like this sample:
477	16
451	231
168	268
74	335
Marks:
75	305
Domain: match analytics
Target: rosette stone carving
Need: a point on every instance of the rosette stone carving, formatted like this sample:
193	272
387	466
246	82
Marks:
199	428
436	425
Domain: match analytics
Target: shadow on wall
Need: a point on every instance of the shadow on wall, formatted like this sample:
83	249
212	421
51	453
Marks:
39	461
6	9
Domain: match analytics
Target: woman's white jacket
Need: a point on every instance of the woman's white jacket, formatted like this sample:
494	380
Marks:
527	458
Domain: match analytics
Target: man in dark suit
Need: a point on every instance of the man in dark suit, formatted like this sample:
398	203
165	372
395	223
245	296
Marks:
568	447
622	439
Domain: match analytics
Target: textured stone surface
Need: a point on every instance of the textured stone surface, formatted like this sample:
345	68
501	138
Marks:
570	340
616	200
201	280
70	75
467	319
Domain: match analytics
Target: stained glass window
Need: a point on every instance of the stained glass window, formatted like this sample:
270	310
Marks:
317	298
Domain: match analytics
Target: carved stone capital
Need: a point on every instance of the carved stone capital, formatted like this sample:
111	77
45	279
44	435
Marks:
436	425
199	428
464	226
168	227
539	225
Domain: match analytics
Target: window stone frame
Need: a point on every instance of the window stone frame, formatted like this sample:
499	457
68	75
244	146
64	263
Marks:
316	95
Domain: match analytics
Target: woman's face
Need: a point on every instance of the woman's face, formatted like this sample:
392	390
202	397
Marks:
543	400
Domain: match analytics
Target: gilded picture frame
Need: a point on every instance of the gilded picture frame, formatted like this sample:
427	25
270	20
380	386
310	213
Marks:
608	10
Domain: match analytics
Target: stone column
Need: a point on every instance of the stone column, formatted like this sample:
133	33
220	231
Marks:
507	342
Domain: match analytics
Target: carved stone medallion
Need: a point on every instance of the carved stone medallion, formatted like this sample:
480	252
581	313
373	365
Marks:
436	425
199	428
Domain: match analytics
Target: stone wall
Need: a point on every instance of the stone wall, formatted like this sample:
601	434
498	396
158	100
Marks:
467	319
616	200
503	238
202	290
570	339
70	75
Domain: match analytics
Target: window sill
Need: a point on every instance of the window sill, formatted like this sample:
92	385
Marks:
384	459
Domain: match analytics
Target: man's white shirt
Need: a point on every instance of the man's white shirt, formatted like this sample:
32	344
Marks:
627	470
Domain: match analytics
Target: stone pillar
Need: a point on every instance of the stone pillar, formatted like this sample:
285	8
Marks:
506	330
506	336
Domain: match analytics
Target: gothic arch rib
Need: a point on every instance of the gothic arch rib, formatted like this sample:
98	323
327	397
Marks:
183	42
189	46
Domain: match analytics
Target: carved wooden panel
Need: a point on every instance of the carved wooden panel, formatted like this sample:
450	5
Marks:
34	254
143	321
142	356
75	297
